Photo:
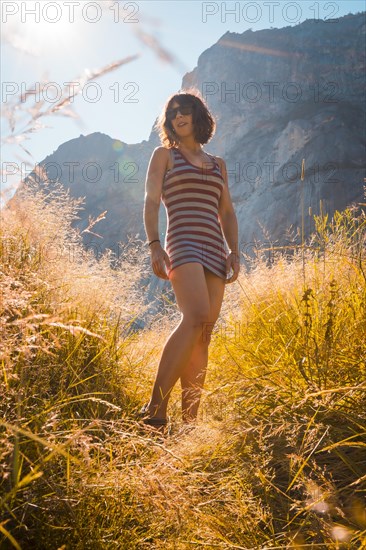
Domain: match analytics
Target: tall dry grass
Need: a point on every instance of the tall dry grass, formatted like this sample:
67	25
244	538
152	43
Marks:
277	459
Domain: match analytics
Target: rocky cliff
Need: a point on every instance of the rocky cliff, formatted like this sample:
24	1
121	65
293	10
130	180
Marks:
279	96
283	95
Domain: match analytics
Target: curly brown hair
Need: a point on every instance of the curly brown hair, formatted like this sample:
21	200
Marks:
203	122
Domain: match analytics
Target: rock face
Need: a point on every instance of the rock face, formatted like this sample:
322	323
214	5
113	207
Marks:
279	96
110	175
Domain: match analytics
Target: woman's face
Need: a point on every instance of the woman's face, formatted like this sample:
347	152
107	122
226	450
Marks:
182	121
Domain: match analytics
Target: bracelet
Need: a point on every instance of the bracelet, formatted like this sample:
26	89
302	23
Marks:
154	241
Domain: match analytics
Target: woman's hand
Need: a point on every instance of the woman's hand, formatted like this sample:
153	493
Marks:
232	262
158	258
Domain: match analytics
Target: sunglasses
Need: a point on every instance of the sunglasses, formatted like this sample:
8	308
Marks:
184	110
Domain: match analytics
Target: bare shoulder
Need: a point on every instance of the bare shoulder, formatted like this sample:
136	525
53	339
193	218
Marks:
161	152
219	159
160	156
221	164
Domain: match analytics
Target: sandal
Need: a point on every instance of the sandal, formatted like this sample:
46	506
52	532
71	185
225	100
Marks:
158	423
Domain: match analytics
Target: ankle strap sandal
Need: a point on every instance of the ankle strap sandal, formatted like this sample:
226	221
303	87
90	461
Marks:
158	423
155	421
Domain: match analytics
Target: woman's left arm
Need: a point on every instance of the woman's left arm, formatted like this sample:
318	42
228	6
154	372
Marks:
229	224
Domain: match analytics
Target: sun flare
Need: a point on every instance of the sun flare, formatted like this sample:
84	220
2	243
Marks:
37	27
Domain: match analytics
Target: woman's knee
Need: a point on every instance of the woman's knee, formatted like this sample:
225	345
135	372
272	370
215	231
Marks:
204	326
206	333
207	329
197	317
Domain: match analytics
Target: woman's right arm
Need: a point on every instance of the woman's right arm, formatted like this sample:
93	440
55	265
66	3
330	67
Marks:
153	188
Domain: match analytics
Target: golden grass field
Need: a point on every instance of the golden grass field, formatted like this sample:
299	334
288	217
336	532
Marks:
277	458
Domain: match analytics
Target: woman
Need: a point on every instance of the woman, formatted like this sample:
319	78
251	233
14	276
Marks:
193	186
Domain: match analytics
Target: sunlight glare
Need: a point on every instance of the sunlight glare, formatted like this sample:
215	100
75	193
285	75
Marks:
37	27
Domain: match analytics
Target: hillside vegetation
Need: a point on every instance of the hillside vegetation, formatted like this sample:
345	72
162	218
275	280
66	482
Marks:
277	459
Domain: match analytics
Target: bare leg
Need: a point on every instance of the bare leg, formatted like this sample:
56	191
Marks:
193	376
190	288
192	381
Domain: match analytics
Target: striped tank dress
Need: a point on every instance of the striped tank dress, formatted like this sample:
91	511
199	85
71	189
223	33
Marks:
191	198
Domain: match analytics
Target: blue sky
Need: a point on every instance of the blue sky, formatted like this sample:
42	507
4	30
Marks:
71	38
